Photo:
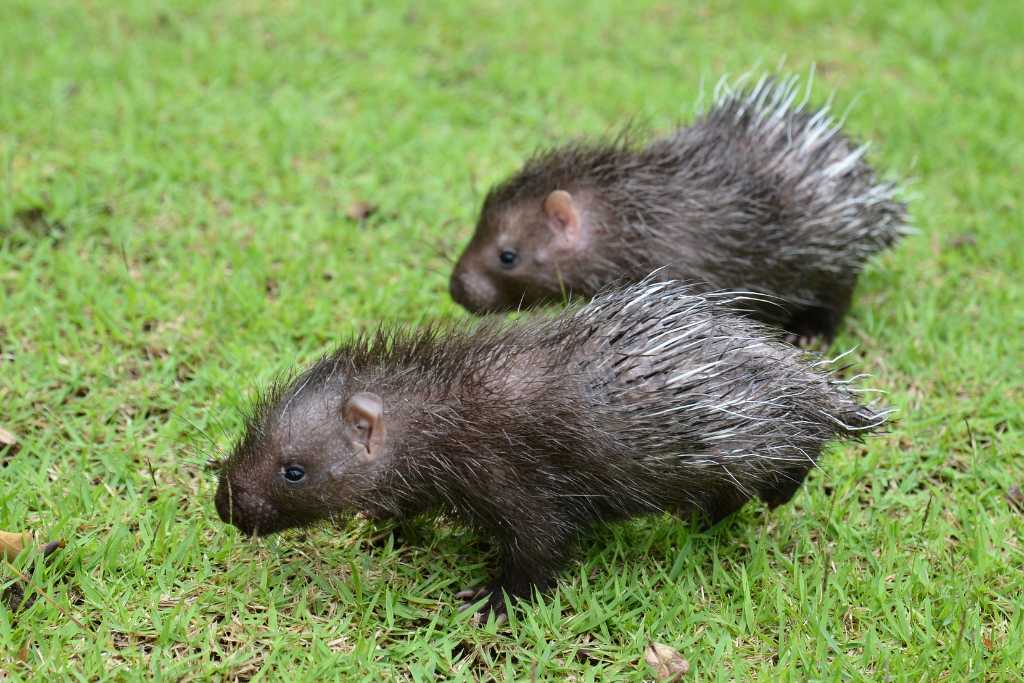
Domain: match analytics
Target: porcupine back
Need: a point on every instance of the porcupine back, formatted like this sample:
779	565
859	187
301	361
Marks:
647	398
709	408
817	207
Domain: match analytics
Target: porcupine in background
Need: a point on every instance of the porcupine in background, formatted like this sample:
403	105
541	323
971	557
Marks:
760	194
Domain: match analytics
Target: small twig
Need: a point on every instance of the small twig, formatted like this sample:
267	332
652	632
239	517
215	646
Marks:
970	435
27	580
927	511
51	547
124	258
152	474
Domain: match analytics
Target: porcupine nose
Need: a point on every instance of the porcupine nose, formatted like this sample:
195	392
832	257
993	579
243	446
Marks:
471	291
232	507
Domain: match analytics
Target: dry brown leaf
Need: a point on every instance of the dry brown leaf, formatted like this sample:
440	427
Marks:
360	210
340	645
8	441
14	597
21	594
964	239
13	543
1016	498
668	664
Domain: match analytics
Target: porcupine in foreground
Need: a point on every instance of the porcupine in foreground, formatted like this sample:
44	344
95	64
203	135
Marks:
759	194
646	399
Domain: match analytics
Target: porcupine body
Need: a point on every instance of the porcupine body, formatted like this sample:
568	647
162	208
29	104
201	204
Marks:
647	399
760	194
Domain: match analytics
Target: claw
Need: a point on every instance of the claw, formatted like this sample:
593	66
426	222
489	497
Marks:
495	604
803	341
472	594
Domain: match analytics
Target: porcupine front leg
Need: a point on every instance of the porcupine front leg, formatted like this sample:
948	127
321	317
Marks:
781	489
721	507
818	324
527	561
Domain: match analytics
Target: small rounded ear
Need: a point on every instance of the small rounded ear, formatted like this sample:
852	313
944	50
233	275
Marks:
563	214
364	415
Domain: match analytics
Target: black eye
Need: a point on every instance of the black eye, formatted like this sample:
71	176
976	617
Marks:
508	257
294	473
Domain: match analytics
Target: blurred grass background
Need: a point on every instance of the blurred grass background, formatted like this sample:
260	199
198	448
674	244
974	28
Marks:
176	181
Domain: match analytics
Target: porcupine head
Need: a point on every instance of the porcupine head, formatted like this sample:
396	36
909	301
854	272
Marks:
303	458
527	249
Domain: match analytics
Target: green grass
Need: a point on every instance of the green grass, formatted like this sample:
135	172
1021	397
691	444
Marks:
173	190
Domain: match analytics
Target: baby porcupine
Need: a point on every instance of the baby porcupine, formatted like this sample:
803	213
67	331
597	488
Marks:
757	195
646	399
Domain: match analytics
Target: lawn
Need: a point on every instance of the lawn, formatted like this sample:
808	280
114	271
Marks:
180	190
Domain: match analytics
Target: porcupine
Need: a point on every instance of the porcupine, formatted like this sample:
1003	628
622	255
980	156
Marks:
759	194
646	399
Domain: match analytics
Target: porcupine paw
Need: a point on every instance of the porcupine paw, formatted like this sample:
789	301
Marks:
809	339
813	328
804	341
495	603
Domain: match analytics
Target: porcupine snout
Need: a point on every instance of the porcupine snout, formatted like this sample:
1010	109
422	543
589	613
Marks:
249	513
474	292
